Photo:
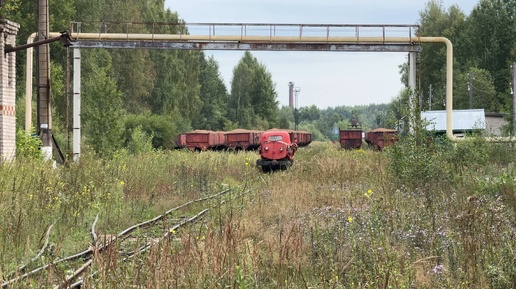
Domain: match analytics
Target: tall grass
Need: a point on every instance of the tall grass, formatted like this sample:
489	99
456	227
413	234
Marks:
427	214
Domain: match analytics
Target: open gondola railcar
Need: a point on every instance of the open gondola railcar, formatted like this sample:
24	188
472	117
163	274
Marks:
381	137
304	138
276	150
201	140
350	138
180	141
243	139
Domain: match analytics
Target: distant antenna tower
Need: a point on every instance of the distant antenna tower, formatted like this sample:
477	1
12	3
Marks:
297	90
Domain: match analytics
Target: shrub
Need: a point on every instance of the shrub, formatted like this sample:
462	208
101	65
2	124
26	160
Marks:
27	146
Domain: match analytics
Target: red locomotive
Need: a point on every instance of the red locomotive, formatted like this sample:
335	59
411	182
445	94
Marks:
276	150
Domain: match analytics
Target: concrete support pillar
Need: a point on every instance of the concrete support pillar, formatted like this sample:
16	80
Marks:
8	32
76	104
412	85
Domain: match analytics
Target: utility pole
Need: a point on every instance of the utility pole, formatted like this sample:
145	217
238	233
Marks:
514	99
430	97
44	104
291	94
297	90
470	90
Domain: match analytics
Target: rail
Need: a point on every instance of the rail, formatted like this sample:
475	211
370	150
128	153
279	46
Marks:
85	258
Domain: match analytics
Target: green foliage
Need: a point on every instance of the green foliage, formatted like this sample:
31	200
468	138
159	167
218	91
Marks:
435	20
253	101
27	146
213	95
400	115
161	130
139	142
417	160
336	219
286	117
187	83
102	111
472	152
493	22
484	93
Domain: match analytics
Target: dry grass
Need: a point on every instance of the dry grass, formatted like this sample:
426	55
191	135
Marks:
336	219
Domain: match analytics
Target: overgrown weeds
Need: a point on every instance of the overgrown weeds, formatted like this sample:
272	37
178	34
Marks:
423	214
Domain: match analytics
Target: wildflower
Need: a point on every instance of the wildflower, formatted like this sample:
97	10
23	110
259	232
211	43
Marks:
369	193
350	219
30	196
172	231
438	269
122	183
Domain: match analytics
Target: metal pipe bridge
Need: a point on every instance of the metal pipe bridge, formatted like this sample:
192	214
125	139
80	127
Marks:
245	36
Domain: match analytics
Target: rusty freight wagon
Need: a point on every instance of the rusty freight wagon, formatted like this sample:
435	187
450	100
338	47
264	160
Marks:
180	141
350	138
380	138
303	138
201	140
243	139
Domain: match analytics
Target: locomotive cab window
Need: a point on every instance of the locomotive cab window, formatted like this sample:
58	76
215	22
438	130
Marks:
275	138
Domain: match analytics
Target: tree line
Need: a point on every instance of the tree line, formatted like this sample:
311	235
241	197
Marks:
134	95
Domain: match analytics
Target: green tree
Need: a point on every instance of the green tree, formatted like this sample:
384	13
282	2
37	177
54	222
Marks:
253	101
160	129
437	21
484	93
213	95
102	109
399	114
309	113
490	34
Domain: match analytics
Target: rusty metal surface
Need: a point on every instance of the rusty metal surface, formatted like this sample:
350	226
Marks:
350	138
381	137
181	45
205	139
243	139
351	143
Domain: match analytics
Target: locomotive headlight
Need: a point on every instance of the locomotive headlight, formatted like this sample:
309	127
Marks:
281	149
266	148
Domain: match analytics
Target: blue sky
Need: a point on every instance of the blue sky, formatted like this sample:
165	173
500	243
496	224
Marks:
325	79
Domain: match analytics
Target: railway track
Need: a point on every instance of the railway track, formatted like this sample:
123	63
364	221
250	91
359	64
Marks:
73	270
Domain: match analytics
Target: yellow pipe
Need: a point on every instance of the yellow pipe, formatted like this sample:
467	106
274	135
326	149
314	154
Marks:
28	85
